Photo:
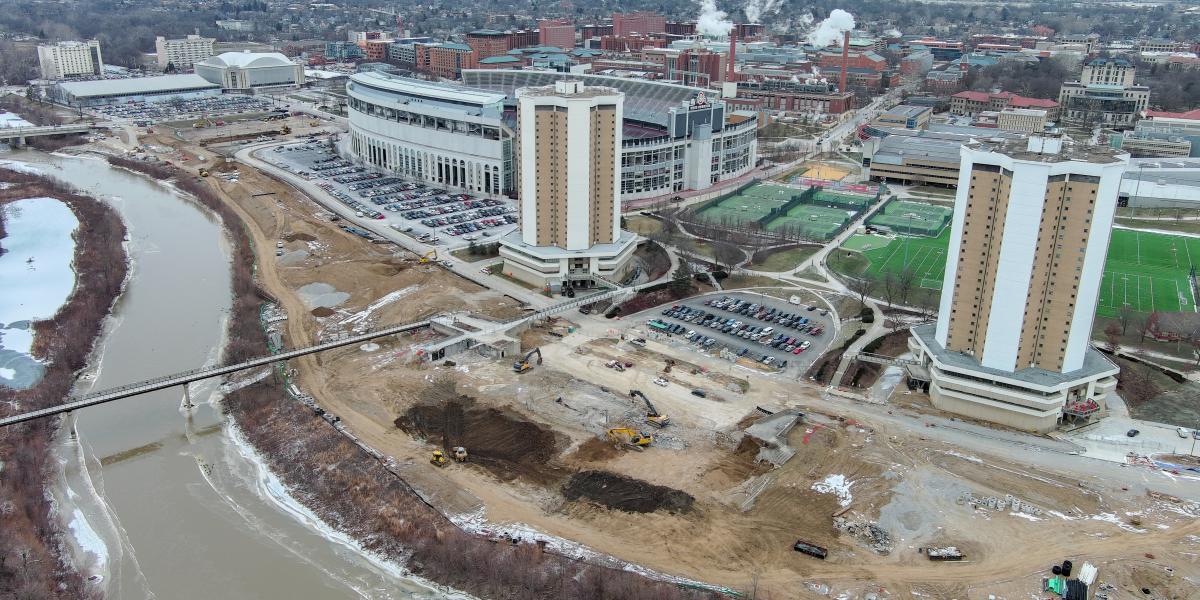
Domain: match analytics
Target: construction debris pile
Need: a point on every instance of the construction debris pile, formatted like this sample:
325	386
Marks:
994	503
875	536
948	553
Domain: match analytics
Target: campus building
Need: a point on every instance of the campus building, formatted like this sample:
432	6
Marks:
181	54
251	71
1104	95
1028	243
674	138
70	59
444	134
100	92
569	188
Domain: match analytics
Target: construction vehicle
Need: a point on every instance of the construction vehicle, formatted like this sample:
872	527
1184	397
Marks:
285	130
438	459
430	256
204	172
630	437
523	365
460	454
653	417
670	363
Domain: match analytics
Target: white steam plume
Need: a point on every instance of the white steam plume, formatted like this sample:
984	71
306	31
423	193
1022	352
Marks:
893	33
829	30
712	22
755	9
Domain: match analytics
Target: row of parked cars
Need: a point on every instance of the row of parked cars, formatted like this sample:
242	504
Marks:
769	315
178	108
706	342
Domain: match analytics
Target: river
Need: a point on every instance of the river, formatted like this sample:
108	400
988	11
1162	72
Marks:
165	502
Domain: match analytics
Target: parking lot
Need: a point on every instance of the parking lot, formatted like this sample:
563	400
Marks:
178	110
750	327
429	214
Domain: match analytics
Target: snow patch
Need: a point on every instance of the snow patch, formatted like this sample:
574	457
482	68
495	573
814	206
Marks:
838	485
363	314
88	539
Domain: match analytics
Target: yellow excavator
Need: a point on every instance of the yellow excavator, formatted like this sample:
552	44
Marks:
438	459
630	437
653	417
524	365
430	256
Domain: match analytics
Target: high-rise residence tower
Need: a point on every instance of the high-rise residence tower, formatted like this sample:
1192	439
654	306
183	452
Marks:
569	140
1023	271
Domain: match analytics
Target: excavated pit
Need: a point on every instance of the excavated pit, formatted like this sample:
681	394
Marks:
503	443
626	493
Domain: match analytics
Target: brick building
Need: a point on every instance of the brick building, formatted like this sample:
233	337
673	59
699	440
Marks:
642	22
487	43
559	33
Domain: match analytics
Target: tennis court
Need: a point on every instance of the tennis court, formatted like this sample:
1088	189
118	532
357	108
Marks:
812	222
912	218
751	204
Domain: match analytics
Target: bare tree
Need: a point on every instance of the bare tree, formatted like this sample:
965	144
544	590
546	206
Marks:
908	280
862	287
890	287
1124	315
1112	334
727	255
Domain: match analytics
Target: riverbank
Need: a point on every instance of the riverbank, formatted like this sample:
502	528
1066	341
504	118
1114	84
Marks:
33	532
354	493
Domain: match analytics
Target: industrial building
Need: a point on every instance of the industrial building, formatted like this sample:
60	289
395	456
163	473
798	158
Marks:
1028	243
929	156
251	71
674	137
1161	183
570	142
82	94
1163	134
440	133
70	59
181	54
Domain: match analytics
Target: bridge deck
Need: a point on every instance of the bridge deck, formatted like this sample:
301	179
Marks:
187	377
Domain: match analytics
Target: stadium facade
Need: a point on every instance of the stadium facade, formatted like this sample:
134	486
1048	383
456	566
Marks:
674	138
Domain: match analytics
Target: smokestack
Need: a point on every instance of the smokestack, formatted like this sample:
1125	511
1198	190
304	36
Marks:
845	60
732	54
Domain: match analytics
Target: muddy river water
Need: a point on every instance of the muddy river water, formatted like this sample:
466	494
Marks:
165	502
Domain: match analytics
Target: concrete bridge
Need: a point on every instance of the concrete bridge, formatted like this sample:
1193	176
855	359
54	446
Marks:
18	135
151	385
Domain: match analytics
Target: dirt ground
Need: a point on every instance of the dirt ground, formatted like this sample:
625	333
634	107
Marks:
696	502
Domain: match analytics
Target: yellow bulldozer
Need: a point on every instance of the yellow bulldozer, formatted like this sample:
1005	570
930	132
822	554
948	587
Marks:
438	459
630	437
204	172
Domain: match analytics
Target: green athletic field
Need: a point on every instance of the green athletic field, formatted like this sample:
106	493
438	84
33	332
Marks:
1149	271
752	204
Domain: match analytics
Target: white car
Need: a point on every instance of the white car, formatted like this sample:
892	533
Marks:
659	381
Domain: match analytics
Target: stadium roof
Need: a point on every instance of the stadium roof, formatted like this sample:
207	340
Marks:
452	93
247	60
647	101
137	85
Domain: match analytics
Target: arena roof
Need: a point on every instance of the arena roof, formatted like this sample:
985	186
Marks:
247	60
452	93
647	101
137	85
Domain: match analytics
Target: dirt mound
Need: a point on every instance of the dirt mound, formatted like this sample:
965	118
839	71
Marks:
322	311
625	493
303	237
596	450
503	443
388	269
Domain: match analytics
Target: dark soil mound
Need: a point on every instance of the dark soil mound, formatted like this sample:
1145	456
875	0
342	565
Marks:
503	443
625	493
322	311
303	237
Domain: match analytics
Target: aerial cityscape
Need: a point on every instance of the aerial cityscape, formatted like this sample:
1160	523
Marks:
699	299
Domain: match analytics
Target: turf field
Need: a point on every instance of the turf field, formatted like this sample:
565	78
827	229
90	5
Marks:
1149	271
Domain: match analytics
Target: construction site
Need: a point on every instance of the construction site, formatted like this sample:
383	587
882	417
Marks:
591	436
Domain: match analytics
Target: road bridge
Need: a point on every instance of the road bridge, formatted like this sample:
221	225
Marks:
20	134
166	381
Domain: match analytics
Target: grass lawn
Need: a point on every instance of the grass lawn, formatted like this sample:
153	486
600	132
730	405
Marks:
747	281
1149	271
700	247
861	242
486	252
785	260
643	225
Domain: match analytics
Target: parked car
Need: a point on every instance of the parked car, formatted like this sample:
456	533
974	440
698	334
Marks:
1132	433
